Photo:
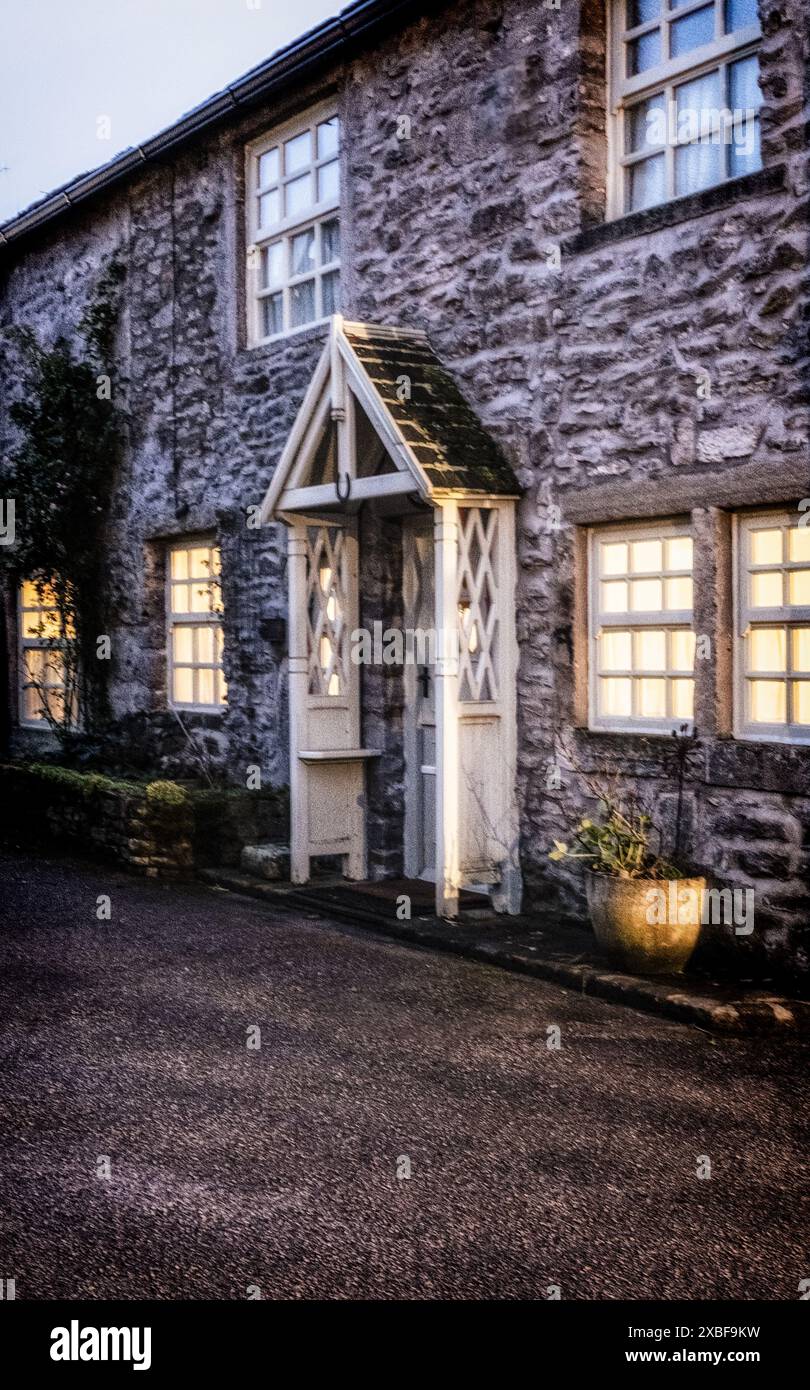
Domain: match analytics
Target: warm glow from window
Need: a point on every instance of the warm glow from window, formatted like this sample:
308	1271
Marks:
194	606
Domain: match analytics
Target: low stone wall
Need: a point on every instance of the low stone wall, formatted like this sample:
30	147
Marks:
155	828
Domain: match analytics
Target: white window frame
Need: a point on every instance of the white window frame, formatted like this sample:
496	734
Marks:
665	620
51	644
624	92
789	616
175	619
258	239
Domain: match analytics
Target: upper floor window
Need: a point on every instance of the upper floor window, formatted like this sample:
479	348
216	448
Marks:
293	194
684	97
642	646
47	678
194	613
773	627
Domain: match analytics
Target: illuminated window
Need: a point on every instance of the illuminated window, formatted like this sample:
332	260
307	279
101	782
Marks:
773	627
641	640
194	610
685	97
293	182
43	671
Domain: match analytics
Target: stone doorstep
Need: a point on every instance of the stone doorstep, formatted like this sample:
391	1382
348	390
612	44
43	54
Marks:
524	946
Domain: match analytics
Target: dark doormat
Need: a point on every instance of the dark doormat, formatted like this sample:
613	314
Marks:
380	899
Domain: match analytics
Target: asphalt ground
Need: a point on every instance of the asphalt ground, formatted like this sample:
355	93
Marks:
149	1148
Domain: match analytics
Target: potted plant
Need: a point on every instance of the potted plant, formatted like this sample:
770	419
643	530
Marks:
645	909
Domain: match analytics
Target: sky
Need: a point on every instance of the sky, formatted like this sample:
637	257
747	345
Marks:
66	65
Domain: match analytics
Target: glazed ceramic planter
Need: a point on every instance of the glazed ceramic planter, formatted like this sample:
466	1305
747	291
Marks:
648	926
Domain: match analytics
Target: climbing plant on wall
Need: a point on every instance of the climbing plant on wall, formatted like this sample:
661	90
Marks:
61	478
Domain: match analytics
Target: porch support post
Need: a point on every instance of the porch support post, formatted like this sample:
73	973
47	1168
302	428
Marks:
298	686
447	773
507	895
355	862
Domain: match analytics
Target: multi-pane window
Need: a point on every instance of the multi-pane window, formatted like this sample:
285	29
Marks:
773	627
642	646
194	615
294	200
43	670
685	97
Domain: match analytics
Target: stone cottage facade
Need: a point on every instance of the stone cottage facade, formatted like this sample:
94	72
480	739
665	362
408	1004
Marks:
585	224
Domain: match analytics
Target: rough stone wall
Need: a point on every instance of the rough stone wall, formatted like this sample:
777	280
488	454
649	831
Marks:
584	370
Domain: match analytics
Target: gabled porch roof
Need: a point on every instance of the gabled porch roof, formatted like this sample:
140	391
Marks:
431	435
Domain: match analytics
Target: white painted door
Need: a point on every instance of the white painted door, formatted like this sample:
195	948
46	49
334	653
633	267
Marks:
418	583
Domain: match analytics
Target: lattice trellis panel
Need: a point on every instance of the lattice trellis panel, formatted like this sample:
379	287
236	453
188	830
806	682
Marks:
478	617
327	634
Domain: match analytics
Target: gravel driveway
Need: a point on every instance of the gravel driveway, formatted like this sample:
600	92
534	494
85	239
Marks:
149	1152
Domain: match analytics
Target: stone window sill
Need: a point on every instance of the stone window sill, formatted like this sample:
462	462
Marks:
722	195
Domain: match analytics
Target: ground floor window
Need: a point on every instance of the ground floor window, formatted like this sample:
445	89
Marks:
642	646
194	617
43	673
773	627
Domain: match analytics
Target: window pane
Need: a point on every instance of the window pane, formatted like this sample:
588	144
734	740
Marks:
641	11
799	587
743	85
298	153
615	696
179	564
683	699
205	687
645	557
181	598
221	688
678	593
302	303
183	686
202	598
183	644
298	195
328	182
766	589
682	649
645	595
205	644
647	183
697	106
643	52
614	597
274	264
767	649
614	558
801	702
766	547
645	125
330	289
697	166
652	699
303	252
269	208
651	651
745	154
799	543
768	702
740	13
615	651
328	134
801	648
199	562
272	315
691	32
678	552
268	168
330	241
